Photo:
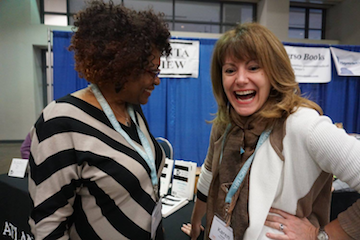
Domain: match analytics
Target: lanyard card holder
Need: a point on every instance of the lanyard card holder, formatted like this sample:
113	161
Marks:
219	230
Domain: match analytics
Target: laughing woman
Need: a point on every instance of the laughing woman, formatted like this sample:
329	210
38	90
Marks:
268	171
94	165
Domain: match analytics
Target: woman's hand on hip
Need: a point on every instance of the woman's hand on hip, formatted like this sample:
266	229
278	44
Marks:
193	232
292	226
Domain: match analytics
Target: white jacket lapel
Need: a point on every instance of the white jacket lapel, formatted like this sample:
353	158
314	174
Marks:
264	180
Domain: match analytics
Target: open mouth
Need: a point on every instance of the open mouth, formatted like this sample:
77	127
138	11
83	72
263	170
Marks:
148	90
245	96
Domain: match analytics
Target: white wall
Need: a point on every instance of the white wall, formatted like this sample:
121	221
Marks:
20	66
343	22
22	36
272	14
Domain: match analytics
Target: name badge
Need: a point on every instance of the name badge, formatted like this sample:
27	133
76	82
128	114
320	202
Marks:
219	230
155	219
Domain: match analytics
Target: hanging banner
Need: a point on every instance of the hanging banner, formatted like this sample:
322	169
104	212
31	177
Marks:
183	61
347	63
311	65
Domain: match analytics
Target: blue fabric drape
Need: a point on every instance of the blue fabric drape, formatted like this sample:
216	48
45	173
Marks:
179	108
66	79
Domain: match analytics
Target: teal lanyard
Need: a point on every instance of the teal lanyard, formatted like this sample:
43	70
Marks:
242	173
147	155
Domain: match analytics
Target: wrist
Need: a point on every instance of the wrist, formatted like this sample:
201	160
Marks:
195	222
322	235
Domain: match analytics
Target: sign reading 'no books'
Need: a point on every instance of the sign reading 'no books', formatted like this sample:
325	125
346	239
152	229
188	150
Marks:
183	61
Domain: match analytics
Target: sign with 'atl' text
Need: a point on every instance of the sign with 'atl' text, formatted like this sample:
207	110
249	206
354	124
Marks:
183	61
311	65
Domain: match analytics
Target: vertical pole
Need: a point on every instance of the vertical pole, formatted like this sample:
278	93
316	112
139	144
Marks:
49	78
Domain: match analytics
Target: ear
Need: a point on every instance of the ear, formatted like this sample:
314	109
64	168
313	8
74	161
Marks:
119	86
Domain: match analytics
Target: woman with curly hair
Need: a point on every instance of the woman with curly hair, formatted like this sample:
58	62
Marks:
267	173
94	165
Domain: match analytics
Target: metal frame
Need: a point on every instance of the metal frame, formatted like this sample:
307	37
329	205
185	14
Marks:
44	76
172	21
42	12
307	19
168	144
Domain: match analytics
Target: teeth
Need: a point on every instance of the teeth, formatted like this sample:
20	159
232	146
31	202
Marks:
244	92
149	91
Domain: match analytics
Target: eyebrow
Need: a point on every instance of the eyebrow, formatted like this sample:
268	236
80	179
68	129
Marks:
232	62
247	61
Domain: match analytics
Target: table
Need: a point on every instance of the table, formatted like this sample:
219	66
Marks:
15	209
173	223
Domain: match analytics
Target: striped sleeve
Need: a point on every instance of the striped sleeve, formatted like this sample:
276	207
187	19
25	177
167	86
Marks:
53	177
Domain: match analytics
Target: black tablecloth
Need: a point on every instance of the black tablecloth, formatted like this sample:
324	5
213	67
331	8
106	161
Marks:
173	223
15	205
14	208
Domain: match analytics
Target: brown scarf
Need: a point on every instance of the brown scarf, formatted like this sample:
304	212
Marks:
245	132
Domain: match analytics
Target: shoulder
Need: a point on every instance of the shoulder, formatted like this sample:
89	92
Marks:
303	113
65	106
217	130
303	122
60	115
68	99
302	117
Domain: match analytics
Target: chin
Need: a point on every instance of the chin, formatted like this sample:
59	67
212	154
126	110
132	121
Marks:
144	102
245	113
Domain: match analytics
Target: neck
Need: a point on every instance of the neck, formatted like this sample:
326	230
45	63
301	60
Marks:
112	98
118	105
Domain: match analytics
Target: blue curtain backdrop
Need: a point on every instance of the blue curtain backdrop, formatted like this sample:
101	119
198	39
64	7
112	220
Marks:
179	108
66	79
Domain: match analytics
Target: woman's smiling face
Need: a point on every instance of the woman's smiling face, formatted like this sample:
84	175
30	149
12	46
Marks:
246	85
138	91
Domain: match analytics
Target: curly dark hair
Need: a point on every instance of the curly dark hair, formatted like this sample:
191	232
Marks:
113	42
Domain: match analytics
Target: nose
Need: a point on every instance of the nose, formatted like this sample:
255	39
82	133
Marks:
241	77
157	80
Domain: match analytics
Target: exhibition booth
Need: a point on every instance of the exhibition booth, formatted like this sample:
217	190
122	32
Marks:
181	107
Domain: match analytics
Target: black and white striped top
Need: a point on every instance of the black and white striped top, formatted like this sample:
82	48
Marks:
86	181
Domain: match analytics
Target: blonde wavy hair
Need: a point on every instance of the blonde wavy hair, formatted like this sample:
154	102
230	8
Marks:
255	42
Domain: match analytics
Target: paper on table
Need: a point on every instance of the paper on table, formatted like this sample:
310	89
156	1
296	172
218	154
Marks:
171	204
166	176
18	167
